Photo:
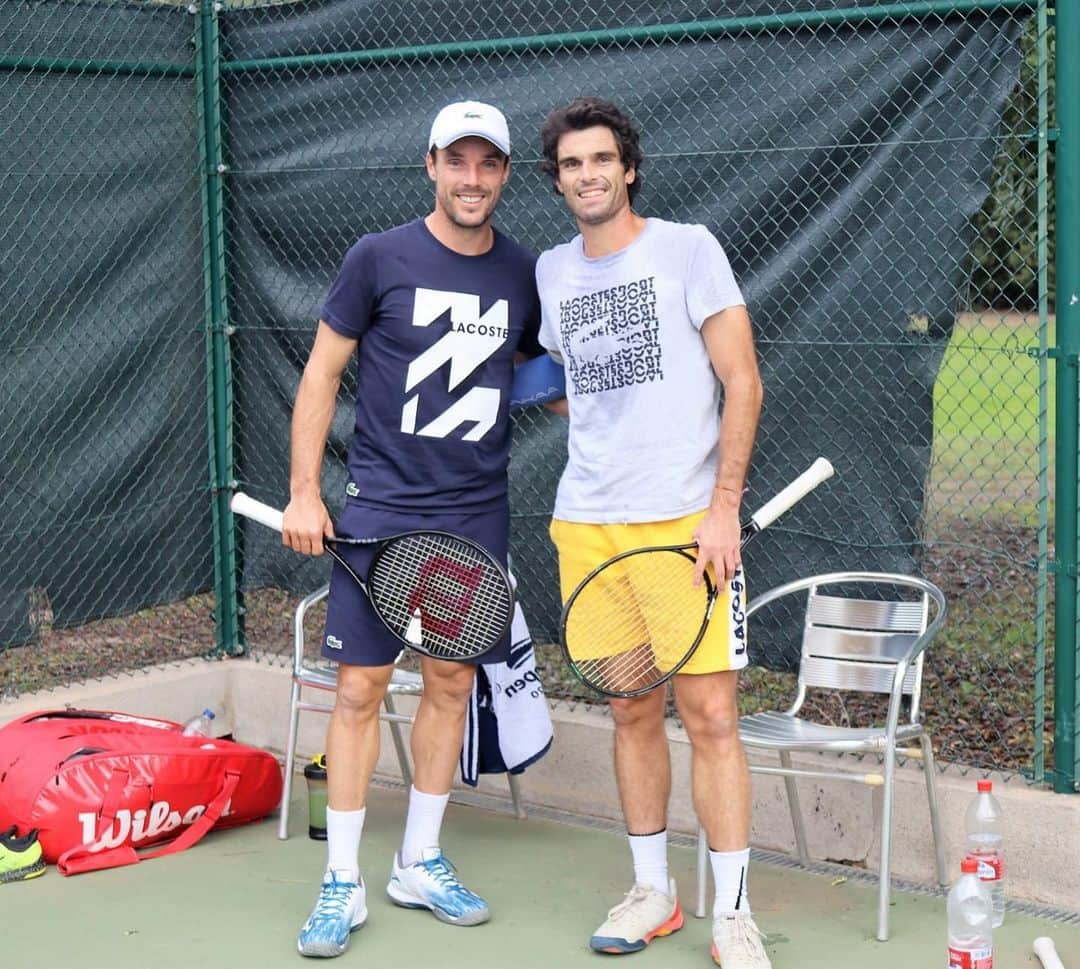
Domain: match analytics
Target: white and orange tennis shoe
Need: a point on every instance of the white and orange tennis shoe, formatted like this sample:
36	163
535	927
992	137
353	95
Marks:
646	913
737	943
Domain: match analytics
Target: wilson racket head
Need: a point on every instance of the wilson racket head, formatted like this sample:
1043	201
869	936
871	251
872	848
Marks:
441	594
636	620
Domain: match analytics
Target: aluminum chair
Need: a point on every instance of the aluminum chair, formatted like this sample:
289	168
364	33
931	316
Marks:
853	644
322	675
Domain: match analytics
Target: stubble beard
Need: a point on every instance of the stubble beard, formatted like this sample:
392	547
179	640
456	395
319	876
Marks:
600	216
472	222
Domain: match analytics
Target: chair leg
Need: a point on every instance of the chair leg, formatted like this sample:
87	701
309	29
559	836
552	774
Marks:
399	742
290	756
796	809
935	819
515	794
702	871
885	876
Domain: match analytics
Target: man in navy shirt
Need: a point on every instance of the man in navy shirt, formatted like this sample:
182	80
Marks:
435	311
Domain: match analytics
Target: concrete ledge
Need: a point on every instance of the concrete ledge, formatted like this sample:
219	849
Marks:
251	700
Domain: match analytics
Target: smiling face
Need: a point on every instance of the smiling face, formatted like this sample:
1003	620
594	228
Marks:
469	176
591	175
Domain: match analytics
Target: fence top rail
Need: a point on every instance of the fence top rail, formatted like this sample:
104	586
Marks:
656	33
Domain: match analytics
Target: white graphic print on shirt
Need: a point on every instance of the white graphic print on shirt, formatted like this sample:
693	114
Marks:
471	340
612	337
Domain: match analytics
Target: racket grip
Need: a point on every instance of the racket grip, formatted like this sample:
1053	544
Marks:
1046	953
806	482
247	506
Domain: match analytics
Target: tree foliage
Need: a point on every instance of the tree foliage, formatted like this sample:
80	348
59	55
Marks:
1005	253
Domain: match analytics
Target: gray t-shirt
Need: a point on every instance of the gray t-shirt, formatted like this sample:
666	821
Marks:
644	400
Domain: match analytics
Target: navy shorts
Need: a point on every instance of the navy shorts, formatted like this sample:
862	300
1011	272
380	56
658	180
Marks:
354	634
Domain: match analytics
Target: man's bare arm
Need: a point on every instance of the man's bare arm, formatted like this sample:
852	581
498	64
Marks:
729	342
306	518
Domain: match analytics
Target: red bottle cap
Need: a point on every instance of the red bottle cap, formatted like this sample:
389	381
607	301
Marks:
969	866
985	787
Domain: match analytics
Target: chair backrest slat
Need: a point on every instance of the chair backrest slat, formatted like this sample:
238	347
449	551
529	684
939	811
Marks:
833	674
854	644
865	613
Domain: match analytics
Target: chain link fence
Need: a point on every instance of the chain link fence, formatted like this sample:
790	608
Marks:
180	185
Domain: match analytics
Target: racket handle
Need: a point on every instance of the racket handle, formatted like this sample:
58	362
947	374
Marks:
806	482
1046	953
247	506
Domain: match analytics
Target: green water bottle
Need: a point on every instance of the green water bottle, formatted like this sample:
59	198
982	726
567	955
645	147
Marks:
315	774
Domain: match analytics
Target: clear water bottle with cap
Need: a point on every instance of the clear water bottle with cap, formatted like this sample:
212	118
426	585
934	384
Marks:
970	913
985	837
198	726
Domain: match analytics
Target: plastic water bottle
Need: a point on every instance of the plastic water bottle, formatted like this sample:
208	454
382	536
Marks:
970	914
983	826
198	726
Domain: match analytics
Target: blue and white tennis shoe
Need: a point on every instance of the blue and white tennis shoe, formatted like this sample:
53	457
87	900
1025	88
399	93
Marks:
340	910
432	883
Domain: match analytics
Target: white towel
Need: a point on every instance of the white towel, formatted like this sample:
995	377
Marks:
508	724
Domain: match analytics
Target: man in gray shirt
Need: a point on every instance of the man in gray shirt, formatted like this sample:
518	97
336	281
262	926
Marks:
650	323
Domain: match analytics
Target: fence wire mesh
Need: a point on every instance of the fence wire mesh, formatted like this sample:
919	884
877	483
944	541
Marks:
103	441
872	170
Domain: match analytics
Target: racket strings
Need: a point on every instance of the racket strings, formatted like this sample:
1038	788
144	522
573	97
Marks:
461	594
635	621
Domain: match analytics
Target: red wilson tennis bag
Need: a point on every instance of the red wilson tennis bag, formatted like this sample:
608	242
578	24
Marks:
98	785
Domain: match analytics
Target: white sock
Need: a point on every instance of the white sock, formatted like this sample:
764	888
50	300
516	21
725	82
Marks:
650	860
731	870
343	831
422	824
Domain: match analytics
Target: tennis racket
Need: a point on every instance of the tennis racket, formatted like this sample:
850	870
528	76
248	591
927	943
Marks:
440	594
635	620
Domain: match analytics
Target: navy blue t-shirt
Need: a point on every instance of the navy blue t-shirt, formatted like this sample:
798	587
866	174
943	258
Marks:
437	334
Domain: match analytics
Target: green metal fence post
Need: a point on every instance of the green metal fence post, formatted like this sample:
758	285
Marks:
228	614
1067	224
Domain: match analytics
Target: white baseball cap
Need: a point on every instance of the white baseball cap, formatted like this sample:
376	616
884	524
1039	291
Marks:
465	119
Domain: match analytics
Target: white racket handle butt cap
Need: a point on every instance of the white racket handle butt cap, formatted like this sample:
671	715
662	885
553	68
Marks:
1044	949
414	632
806	482
247	506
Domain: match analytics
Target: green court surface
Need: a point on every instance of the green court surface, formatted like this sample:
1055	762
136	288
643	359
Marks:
238	898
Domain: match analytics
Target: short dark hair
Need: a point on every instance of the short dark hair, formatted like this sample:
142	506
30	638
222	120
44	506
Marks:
590	112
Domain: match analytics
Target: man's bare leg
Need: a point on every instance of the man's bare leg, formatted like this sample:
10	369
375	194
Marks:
708	706
422	878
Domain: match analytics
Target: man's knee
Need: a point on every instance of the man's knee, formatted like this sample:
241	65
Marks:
639	711
448	684
712	722
360	691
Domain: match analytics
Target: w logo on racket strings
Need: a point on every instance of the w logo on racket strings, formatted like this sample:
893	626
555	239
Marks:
473	338
444	595
737	613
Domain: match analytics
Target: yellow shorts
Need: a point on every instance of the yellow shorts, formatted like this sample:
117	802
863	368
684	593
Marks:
584	546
